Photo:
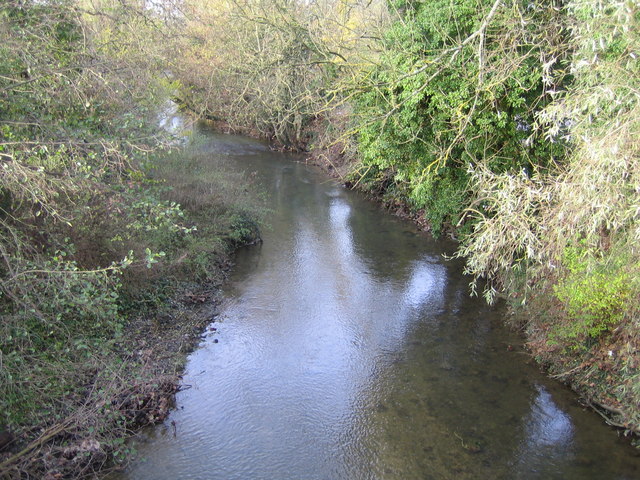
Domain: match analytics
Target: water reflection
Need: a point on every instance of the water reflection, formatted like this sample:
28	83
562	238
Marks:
349	350
547	425
548	436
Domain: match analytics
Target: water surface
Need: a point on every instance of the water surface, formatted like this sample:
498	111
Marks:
347	348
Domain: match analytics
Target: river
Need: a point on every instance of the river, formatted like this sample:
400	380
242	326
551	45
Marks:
347	347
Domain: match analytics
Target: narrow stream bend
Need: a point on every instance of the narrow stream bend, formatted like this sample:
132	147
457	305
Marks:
347	348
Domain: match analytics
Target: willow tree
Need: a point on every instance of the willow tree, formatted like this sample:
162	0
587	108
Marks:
566	239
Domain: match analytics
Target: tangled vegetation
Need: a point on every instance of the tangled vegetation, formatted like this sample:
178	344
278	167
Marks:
572	230
101	247
509	125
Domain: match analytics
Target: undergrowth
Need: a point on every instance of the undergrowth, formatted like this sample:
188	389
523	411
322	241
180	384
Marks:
77	361
100	261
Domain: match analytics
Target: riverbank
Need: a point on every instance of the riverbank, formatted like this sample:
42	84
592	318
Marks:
90	404
132	387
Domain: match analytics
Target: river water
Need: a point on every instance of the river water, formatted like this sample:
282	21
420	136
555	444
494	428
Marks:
348	348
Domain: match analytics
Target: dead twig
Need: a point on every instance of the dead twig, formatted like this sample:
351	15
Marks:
44	438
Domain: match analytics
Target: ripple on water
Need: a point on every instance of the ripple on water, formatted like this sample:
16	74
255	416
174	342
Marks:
349	349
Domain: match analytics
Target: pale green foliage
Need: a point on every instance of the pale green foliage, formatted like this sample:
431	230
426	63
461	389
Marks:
596	292
258	74
599	189
269	67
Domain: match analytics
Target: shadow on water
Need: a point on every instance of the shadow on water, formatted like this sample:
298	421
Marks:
349	349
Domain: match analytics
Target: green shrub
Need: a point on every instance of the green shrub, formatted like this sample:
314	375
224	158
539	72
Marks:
430	110
596	293
442	197
62	317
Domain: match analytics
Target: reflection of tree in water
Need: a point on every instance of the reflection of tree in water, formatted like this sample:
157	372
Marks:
389	437
434	394
548	436
387	244
354	351
423	411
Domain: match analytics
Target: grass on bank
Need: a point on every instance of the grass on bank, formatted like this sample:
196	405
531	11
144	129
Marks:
89	355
